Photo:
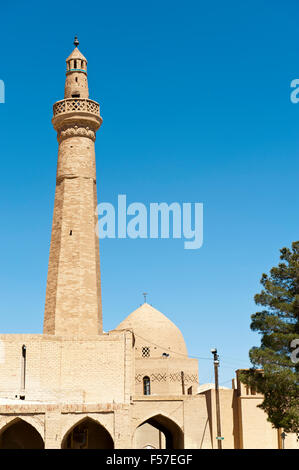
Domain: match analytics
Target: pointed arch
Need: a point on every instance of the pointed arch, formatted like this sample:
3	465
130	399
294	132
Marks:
18	433
87	433
36	421
160	432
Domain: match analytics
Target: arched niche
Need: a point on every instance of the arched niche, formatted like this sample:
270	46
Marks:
159	432
18	434
87	434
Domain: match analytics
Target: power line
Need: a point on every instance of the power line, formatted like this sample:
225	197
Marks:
223	359
175	352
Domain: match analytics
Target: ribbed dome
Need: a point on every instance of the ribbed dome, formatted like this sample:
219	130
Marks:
154	330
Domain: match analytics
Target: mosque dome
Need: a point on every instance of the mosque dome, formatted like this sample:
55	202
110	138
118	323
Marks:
155	335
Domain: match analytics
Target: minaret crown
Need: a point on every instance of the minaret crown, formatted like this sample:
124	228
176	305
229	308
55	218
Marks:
76	62
76	85
76	110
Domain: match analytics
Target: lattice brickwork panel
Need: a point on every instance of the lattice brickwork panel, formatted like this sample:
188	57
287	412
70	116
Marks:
76	105
146	352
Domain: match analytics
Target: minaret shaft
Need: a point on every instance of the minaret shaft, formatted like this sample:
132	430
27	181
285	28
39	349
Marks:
73	297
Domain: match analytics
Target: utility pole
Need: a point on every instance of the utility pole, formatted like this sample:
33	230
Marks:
183	382
216	365
283	436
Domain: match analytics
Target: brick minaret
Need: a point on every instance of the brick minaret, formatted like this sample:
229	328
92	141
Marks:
73	297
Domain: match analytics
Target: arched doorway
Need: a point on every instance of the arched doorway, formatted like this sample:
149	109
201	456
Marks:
20	435
87	434
159	432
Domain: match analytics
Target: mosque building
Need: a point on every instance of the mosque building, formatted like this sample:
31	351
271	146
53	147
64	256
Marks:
76	386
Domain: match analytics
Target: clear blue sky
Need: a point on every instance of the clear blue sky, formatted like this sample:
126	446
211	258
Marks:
195	98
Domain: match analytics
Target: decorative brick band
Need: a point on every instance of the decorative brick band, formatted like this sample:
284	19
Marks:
163	377
77	131
176	377
76	70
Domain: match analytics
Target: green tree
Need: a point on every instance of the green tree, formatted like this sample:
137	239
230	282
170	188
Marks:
278	324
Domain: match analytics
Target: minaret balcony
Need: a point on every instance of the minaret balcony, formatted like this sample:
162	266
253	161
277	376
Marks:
76	105
72	108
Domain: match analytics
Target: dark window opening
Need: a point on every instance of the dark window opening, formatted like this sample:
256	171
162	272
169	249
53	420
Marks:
76	95
71	232
146	386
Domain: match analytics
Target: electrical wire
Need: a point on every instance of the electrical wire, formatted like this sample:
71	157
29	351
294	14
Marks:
223	358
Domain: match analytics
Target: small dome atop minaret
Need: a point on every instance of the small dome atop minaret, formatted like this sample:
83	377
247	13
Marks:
76	60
